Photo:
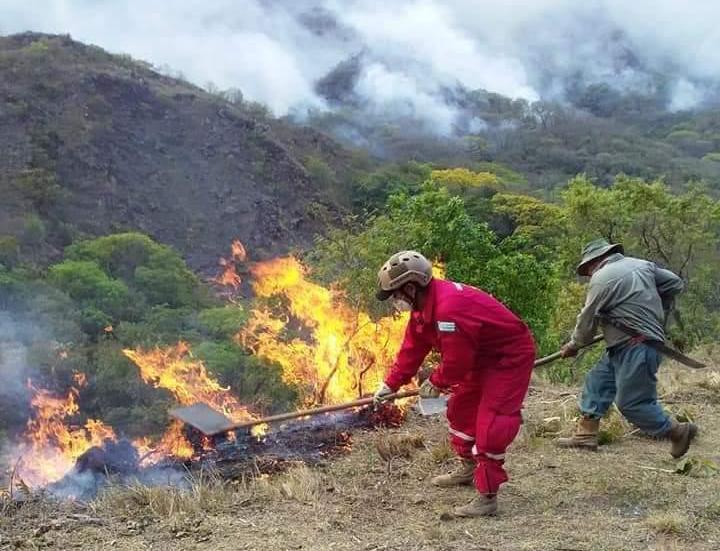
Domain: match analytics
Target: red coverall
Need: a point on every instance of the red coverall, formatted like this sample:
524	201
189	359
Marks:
487	356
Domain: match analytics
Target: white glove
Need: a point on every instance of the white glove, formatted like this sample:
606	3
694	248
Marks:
382	393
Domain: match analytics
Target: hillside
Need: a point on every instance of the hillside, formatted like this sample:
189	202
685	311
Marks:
626	496
94	143
596	130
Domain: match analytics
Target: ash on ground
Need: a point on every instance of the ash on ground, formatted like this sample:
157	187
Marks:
310	440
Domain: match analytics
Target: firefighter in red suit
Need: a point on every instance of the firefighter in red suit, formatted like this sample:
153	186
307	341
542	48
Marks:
487	355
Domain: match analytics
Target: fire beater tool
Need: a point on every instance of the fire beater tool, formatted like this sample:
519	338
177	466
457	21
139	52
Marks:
211	422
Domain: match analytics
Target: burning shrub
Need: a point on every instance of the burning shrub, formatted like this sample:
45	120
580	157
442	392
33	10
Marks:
50	445
319	344
223	322
111	457
344	353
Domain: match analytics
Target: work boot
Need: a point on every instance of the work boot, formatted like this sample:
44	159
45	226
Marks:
585	437
680	435
482	506
461	476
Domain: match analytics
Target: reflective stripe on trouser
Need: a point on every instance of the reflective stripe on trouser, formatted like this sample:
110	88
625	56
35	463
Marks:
484	419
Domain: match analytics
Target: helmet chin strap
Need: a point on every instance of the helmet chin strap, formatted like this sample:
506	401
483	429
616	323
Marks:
406	296
402	305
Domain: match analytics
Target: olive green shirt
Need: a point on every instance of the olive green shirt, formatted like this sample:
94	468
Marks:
634	292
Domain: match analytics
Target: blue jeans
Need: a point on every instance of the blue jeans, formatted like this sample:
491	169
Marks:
627	375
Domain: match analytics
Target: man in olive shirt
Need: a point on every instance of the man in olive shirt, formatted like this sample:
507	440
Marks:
629	299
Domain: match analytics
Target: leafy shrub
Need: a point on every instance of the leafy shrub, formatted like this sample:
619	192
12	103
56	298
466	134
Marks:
156	271
222	322
9	249
33	232
90	286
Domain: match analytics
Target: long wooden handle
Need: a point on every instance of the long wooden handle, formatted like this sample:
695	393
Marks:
365	401
556	356
321	410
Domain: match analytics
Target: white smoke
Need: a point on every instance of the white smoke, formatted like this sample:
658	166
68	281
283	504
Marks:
13	358
414	50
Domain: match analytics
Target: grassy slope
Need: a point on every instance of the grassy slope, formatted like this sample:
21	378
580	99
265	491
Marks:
619	498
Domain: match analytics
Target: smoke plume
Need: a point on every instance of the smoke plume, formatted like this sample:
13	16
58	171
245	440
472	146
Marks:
408	53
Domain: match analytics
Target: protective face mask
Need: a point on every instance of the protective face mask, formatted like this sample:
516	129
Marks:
402	305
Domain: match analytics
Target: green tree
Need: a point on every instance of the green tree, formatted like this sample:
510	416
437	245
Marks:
254	381
223	322
462	178
372	190
33	233
438	224
541	226
41	188
154	270
680	231
84	281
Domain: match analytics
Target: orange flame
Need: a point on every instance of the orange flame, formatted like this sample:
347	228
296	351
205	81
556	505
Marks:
187	379
239	254
51	445
174	443
328	350
229	275
345	354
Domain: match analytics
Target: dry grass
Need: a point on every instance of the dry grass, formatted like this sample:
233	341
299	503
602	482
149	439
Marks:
711	382
613	427
676	382
5	502
203	493
668	523
207	493
442	452
551	415
712	512
390	446
299	483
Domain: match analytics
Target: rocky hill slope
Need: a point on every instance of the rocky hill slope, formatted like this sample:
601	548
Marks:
92	143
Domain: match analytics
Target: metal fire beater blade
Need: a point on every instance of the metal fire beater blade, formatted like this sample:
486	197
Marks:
203	418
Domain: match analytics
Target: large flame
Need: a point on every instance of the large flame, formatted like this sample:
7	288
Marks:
343	353
176	370
327	349
187	379
50	444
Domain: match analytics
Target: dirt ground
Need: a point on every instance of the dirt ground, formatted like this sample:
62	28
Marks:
627	496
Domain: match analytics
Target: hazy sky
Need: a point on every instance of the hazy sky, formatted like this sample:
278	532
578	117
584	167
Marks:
412	50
